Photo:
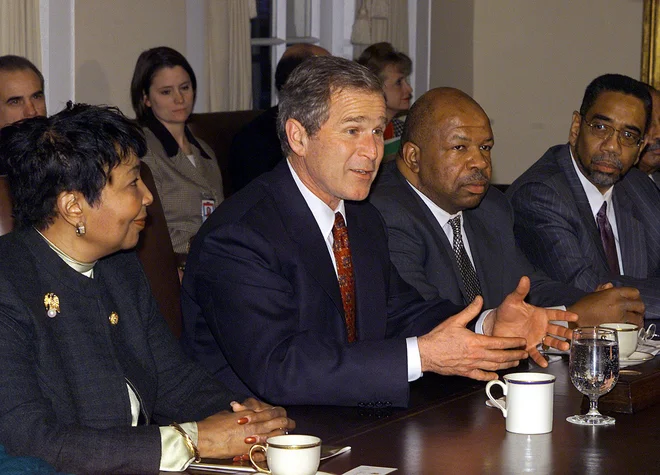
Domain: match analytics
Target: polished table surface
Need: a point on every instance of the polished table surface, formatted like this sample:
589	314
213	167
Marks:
449	429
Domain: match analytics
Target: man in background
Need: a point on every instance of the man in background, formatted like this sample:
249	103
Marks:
256	148
649	162
451	234
21	90
583	213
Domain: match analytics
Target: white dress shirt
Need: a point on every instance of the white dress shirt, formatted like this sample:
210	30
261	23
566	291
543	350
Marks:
325	218
596	200
443	219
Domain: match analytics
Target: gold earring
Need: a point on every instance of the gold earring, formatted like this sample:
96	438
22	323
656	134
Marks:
80	229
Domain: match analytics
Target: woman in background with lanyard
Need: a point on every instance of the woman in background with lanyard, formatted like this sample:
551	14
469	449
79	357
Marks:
185	169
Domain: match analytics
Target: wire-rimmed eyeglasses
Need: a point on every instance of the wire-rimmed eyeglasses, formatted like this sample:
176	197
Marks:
625	137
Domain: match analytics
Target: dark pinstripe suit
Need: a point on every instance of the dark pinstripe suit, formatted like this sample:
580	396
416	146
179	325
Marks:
555	227
423	255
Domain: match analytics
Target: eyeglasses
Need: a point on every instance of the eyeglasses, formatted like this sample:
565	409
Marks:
626	138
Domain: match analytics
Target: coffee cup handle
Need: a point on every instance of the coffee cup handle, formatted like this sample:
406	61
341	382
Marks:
492	399
261	448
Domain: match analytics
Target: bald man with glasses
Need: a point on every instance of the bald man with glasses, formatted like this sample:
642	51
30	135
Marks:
583	213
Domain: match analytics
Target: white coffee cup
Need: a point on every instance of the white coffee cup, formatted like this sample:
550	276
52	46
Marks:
529	402
627	333
290	454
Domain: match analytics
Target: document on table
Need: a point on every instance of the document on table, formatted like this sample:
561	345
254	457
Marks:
368	470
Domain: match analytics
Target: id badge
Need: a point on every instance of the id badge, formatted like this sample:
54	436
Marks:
207	208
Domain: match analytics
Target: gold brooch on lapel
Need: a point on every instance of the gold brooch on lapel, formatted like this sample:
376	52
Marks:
52	304
114	318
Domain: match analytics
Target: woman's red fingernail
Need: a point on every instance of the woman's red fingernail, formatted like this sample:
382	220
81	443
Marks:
250	440
243	420
238	458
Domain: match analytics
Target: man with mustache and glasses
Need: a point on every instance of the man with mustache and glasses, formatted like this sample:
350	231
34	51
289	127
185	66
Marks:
583	214
649	162
436	200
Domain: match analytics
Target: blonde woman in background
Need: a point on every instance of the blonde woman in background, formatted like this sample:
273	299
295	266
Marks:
392	68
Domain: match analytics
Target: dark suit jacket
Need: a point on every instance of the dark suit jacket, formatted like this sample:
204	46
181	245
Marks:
656	179
255	149
63	396
555	227
262	307
423	255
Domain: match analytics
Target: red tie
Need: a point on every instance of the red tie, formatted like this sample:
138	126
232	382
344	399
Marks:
345	273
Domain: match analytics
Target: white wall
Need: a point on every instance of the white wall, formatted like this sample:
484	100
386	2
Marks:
452	51
531	61
110	35
57	58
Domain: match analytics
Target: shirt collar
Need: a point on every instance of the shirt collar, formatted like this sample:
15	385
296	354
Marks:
595	197
440	214
85	268
165	137
323	214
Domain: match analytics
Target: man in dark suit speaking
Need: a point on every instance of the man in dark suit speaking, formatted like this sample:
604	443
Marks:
289	291
439	209
583	213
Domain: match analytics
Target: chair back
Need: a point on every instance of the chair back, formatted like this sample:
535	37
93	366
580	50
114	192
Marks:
6	218
217	129
158	259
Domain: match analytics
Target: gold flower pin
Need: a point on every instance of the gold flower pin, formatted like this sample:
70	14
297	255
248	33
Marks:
114	318
52	304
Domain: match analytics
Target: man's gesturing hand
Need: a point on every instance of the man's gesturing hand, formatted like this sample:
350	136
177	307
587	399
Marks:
515	317
452	349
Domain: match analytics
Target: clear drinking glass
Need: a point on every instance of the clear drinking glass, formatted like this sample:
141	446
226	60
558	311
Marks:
594	369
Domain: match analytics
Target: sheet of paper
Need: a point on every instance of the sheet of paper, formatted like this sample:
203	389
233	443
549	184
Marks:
368	470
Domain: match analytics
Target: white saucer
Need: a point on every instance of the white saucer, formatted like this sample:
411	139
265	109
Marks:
636	358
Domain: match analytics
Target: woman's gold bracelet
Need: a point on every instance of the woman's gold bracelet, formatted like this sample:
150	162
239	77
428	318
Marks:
194	451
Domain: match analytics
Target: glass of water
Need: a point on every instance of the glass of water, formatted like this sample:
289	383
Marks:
594	369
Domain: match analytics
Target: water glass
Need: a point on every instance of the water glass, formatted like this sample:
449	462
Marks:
594	369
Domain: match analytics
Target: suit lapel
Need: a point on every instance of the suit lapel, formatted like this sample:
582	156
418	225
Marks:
565	162
369	277
656	179
196	174
304	231
487	257
424	215
631	235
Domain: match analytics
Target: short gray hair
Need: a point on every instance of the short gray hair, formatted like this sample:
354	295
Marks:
307	93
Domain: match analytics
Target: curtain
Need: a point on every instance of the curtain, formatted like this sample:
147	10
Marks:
380	20
229	55
19	29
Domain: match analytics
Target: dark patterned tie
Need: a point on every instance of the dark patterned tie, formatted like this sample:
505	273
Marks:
468	274
342	252
607	238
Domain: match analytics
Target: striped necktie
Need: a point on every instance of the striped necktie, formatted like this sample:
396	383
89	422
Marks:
607	238
468	274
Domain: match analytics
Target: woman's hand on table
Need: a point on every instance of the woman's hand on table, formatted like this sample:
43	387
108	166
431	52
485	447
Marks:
226	434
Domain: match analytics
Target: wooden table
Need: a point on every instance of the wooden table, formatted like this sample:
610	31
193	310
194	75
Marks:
449	429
